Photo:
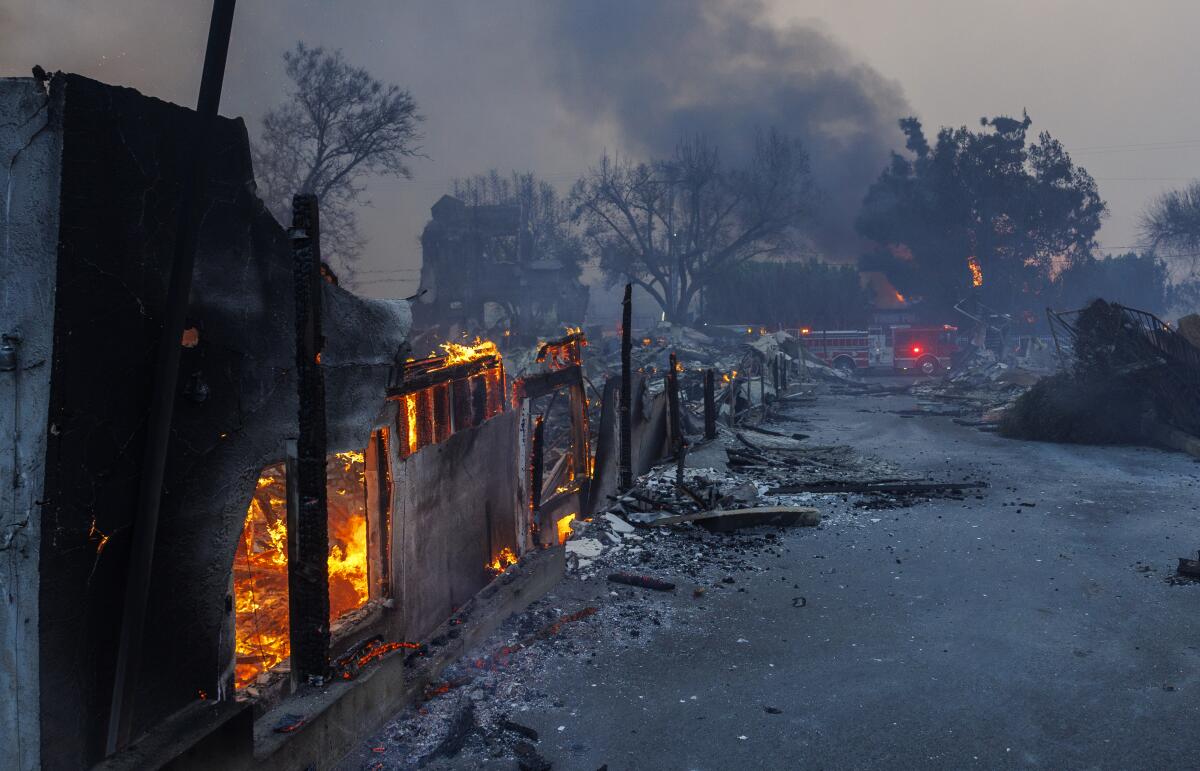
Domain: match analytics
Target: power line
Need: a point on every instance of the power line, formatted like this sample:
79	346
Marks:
1181	143
1143	179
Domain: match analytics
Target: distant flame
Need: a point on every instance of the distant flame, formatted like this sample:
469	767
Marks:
900	297
976	272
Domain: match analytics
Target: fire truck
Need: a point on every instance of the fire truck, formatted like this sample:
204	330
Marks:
903	348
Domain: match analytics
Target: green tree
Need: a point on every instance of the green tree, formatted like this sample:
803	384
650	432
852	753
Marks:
981	212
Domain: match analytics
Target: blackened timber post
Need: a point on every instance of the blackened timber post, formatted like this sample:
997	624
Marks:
291	477
733	395
710	404
165	384
536	473
762	387
625	478
580	436
675	419
308	571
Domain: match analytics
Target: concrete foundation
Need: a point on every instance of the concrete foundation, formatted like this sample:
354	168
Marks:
30	150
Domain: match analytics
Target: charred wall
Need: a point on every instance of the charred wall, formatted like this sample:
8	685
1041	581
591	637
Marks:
123	158
456	506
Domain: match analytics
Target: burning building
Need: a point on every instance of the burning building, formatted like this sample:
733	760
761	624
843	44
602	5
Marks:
426	476
479	270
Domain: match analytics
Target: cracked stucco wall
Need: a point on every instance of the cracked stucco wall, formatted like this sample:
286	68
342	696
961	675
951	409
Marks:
30	151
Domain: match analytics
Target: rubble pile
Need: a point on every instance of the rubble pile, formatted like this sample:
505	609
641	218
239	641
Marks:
1131	379
984	387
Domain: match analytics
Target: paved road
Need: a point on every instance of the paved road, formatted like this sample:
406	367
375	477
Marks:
954	634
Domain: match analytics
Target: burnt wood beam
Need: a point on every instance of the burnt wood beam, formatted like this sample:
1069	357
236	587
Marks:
425	436
442	411
536	470
545	383
165	384
625	442
420	380
461	414
580	438
308	570
710	404
675	419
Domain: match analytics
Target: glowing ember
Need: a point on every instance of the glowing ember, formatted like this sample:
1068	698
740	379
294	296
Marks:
976	271
564	528
410	411
432	691
505	558
370	651
459	354
260	562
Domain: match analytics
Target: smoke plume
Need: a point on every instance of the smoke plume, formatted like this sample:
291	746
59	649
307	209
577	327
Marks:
665	69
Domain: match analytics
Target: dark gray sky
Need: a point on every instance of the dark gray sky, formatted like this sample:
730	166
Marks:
549	86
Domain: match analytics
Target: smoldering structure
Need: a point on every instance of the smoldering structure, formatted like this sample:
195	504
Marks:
425	462
479	269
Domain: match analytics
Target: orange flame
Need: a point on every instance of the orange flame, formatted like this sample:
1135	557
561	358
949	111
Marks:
564	528
976	271
260	564
457	353
410	411
501	562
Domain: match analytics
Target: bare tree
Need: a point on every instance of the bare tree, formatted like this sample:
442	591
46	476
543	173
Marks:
1171	223
675	226
338	125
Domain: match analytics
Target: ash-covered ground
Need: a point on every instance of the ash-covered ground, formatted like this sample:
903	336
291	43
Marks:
1033	623
484	711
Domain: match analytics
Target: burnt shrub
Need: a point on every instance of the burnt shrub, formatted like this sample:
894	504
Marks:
1066	408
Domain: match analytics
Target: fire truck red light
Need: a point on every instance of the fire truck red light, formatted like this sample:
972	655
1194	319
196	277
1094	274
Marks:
916	349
